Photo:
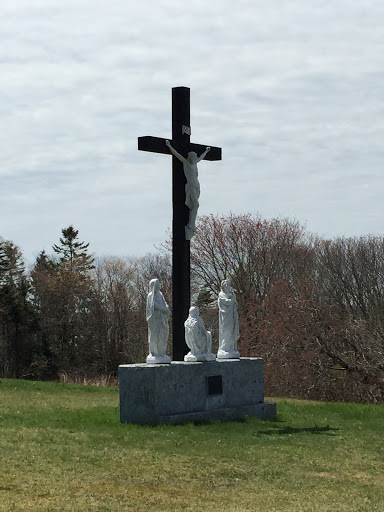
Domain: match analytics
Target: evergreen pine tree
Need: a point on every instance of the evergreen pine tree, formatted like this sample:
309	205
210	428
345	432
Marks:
70	283
12	268
73	252
44	262
17	317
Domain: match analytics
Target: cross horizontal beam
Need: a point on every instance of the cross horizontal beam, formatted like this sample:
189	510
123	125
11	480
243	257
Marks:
157	145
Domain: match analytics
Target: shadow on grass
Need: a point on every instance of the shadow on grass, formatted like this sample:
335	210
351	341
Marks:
281	431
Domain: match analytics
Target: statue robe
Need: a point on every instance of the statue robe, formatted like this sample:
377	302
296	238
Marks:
228	322
158	329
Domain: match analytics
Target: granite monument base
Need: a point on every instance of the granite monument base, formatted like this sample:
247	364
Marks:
192	391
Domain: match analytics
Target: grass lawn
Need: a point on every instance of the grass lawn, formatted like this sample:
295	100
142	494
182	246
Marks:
63	449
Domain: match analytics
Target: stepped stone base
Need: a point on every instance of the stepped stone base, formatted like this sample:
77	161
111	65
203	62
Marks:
182	391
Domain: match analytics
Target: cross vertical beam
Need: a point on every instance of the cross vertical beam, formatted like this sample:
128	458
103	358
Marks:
181	283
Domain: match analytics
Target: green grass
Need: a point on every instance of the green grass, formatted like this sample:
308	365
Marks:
63	449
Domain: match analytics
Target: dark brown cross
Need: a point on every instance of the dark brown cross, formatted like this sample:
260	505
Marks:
181	285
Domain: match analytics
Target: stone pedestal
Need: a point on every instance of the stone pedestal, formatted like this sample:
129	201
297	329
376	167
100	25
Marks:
192	391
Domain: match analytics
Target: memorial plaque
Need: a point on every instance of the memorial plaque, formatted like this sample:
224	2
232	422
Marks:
215	385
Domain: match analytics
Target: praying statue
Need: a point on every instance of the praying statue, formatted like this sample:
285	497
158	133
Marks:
192	188
228	323
198	339
158	330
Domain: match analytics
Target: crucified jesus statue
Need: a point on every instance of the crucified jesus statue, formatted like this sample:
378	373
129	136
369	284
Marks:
192	188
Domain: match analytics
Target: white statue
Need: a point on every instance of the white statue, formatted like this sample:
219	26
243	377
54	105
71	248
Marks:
157	317
192	188
198	339
228	323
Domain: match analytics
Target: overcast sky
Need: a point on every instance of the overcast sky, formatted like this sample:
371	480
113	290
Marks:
292	90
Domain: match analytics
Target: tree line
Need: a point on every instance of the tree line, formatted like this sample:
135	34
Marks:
311	307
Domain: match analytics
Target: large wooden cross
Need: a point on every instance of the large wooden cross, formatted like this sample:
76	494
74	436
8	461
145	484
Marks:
181	131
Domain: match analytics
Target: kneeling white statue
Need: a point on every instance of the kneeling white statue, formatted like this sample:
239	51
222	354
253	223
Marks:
198	339
157	317
228	323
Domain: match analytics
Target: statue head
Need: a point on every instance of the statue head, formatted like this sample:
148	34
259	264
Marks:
194	312
154	285
226	286
192	157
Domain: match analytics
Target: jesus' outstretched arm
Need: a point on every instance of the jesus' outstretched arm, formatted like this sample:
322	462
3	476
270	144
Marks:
174	152
203	155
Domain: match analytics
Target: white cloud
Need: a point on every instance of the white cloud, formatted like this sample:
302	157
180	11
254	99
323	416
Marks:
290	90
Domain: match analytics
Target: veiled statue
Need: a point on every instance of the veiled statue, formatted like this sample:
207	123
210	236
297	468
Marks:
198	339
157	315
228	322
